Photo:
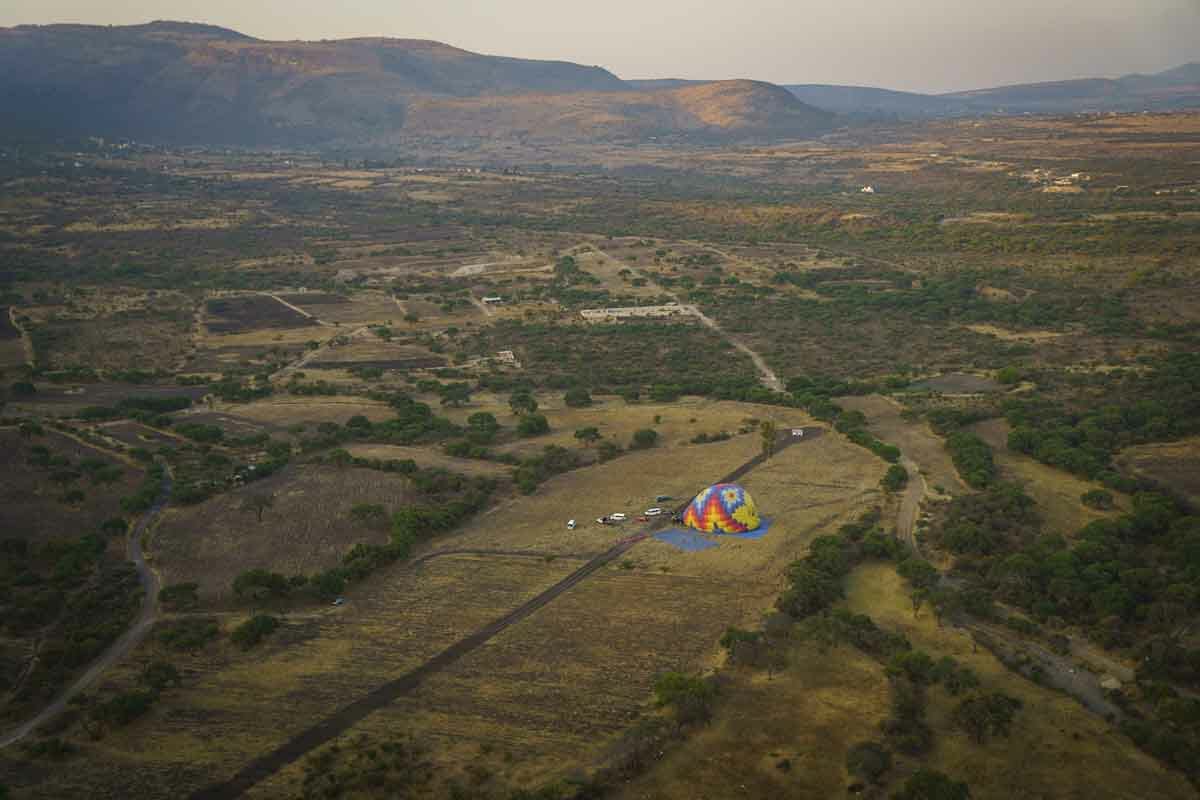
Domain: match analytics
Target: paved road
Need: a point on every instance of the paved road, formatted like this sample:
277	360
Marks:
342	720
123	646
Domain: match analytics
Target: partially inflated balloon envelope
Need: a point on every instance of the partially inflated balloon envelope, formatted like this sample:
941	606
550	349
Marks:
722	508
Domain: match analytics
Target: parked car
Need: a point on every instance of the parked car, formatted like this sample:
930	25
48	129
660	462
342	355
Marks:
341	601
654	512
570	524
618	517
662	498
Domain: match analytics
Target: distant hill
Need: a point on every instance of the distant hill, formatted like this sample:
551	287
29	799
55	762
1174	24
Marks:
1174	89
188	83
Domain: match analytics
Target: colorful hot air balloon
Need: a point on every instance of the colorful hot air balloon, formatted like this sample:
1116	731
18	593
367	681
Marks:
722	508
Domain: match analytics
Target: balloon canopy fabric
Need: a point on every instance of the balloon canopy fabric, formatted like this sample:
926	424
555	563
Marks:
723	508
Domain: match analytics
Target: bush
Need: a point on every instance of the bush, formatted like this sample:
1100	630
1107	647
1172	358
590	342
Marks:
254	630
689	695
125	707
533	425
986	715
577	398
179	596
644	439
929	784
1098	499
188	635
895	479
868	761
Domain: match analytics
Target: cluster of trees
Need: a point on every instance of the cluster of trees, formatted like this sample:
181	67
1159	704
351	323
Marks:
1160	404
1131	582
70	595
973	458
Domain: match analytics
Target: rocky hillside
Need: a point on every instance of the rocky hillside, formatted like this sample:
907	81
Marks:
186	83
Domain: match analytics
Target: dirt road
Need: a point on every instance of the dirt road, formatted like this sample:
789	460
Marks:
123	646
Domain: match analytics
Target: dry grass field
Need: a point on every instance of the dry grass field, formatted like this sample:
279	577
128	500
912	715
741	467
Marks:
283	411
308	529
31	504
808	715
236	704
1056	491
1174	464
430	457
1056	748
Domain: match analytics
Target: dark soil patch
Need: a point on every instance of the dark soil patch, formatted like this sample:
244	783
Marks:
135	434
108	394
254	312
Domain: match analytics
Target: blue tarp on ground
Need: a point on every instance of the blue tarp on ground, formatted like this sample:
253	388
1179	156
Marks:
688	541
692	541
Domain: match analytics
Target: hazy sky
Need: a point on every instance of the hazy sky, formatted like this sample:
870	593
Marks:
921	45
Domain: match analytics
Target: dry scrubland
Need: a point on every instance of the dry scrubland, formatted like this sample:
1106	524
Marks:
809	714
1174	464
1057	492
235	705
594	651
915	439
1051	731
283	411
308	529
30	504
557	688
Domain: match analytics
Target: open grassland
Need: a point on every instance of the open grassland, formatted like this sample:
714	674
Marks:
808	715
234	705
677	423
550	694
915	439
284	411
430	457
1175	465
1056	748
307	529
32	504
1056	491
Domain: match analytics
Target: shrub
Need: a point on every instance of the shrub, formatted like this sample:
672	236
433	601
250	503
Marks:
644	439
577	398
895	479
533	425
254	630
689	695
868	761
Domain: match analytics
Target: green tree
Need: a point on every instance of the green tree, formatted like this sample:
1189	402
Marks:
1009	376
180	596
522	402
929	784
456	395
577	398
254	630
533	425
986	715
769	435
690	696
482	427
895	479
868	761
644	438
588	436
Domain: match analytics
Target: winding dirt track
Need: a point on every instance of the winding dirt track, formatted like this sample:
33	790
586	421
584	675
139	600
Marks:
340	721
128	640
